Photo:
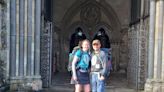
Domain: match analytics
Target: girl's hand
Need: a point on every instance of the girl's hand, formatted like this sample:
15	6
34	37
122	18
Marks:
89	70
101	78
74	78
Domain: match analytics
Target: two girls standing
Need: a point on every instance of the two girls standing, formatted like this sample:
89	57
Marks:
81	70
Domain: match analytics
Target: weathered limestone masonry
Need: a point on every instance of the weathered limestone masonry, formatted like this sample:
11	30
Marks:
23	20
155	78
137	44
3	42
136	72
133	55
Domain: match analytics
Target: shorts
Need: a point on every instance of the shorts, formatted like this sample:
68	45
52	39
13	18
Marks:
82	77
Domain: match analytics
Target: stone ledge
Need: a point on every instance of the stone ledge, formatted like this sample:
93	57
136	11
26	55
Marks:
25	85
154	85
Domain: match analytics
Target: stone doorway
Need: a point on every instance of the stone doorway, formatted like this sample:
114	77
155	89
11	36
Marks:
80	15
117	79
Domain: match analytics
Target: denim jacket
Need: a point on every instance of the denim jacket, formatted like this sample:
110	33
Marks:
99	62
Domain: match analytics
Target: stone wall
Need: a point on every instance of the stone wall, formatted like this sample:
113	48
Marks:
4	27
133	55
123	9
143	57
3	38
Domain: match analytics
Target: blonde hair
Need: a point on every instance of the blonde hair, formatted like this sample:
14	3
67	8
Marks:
85	40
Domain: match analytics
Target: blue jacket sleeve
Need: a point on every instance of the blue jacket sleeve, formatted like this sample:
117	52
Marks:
104	60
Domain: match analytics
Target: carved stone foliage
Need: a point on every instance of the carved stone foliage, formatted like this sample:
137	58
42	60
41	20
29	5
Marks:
143	54
137	55
90	14
2	72
133	56
3	33
46	54
3	42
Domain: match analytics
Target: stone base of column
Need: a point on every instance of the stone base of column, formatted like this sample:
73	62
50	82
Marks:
154	85
26	84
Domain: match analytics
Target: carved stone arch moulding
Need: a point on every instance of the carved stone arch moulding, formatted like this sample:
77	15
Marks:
79	7
90	5
90	14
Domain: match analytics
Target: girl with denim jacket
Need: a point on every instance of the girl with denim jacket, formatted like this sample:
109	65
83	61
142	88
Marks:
98	67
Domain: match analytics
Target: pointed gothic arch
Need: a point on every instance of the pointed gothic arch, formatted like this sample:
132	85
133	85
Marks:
104	6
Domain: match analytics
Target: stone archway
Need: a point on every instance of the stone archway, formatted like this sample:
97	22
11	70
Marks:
77	15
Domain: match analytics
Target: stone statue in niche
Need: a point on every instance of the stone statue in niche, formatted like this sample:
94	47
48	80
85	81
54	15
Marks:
77	36
103	37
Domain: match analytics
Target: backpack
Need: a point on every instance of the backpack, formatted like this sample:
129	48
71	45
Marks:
71	56
109	63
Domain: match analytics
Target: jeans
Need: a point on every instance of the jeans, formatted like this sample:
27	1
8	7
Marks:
96	84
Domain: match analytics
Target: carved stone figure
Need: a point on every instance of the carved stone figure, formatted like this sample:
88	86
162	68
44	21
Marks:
76	37
103	37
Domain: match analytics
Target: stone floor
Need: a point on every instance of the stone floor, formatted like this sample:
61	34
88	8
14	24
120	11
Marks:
116	83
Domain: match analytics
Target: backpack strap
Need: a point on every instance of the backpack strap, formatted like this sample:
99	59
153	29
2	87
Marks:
99	58
81	53
78	66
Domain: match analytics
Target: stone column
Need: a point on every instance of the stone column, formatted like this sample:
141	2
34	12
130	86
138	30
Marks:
21	37
148	86
154	81
151	39
159	38
24	53
37	36
30	43
12	38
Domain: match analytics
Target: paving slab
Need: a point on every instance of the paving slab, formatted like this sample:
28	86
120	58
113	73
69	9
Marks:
117	82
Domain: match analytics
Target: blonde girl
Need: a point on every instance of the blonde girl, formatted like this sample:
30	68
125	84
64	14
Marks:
80	67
